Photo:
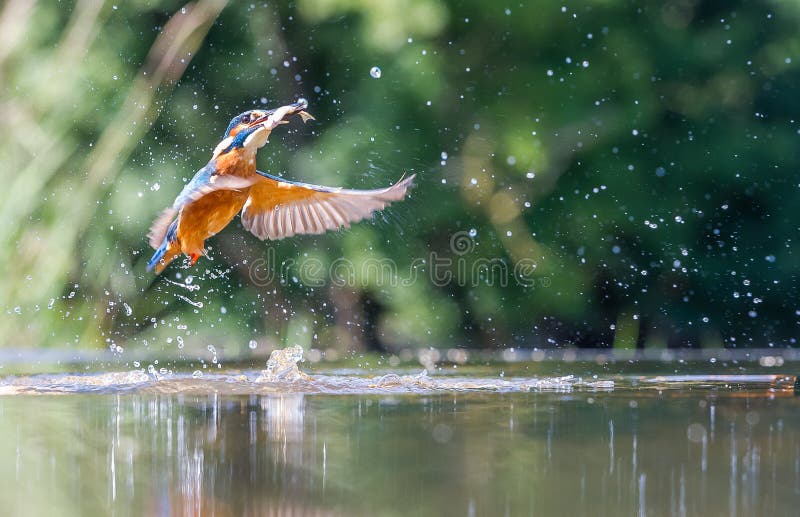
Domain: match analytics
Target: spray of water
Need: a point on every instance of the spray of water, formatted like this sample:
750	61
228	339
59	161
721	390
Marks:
282	366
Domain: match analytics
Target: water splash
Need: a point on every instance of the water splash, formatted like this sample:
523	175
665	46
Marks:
188	285
423	382
283	376
152	371
46	384
198	304
282	365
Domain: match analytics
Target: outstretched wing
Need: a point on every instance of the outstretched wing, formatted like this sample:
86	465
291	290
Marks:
277	208
204	182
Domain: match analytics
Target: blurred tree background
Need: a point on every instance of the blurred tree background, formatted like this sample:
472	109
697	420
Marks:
637	159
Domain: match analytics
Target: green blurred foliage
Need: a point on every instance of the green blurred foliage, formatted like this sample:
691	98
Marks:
640	157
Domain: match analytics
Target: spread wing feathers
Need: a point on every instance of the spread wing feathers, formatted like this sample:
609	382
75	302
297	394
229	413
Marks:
277	208
204	182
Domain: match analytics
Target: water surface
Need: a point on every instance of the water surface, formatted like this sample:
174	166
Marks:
344	442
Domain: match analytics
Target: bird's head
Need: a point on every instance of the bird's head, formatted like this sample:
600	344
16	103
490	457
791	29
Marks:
247	120
250	130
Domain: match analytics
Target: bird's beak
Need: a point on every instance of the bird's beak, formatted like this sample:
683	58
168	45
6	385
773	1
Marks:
274	118
260	129
262	119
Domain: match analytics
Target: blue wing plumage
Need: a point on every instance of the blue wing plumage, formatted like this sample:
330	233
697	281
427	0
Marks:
205	181
200	180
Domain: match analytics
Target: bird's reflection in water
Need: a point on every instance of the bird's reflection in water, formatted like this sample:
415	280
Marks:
239	456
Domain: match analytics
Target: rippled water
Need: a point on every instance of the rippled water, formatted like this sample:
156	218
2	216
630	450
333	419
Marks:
356	442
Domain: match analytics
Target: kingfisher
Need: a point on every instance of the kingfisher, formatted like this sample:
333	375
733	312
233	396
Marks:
271	207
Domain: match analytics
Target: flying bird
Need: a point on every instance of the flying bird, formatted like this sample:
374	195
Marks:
271	207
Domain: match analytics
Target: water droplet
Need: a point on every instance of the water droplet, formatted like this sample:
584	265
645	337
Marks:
252	344
375	72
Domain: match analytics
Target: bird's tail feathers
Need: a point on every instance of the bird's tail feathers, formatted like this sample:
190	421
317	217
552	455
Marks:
166	252
164	261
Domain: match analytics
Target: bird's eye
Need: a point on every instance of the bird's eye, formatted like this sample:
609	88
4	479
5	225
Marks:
246	118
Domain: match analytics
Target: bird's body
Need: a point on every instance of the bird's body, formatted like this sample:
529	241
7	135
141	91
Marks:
271	207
